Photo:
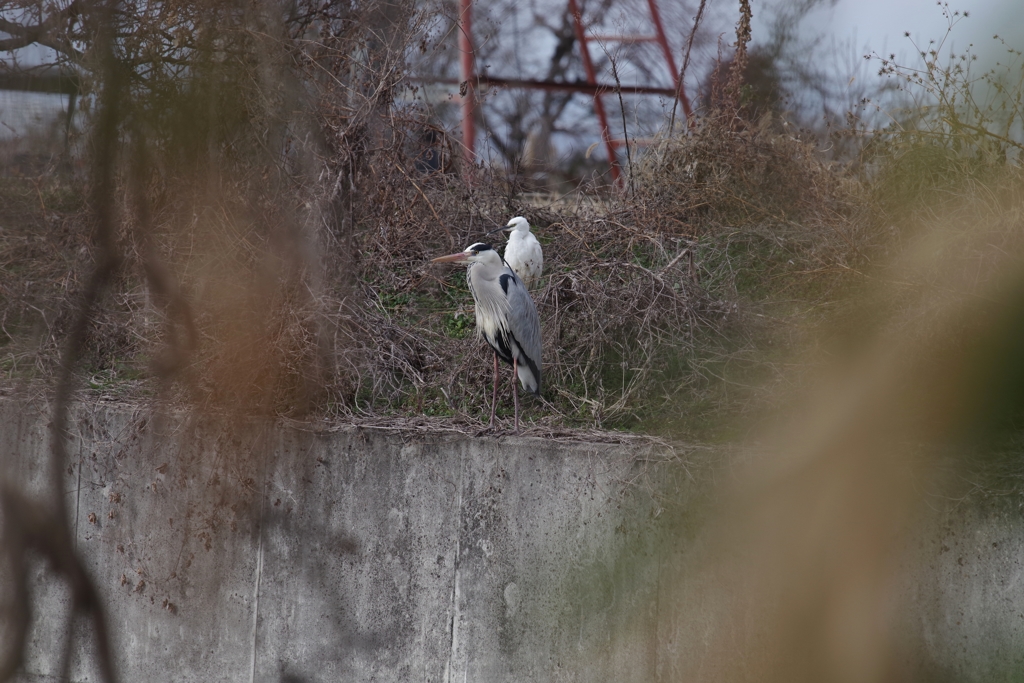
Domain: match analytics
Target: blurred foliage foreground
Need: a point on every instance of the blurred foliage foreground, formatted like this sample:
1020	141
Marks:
273	219
250	228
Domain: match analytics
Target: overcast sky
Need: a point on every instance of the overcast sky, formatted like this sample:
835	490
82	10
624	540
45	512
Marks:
879	25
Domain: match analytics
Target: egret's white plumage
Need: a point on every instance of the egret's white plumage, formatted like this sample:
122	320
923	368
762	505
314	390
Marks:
505	317
523	253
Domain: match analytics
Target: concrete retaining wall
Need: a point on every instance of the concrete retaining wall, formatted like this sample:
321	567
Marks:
270	552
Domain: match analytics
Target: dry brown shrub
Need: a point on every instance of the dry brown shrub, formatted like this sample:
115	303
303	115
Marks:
638	307
621	306
721	176
298	224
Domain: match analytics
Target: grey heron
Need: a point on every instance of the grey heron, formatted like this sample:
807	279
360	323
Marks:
505	317
523	253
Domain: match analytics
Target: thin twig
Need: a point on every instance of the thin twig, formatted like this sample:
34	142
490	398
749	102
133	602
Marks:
682	71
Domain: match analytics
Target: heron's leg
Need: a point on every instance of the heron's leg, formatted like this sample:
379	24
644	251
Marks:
515	388
494	394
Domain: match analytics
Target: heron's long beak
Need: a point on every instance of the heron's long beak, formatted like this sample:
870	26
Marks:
450	258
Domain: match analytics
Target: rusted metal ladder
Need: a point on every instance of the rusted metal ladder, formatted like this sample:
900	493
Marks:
612	144
470	80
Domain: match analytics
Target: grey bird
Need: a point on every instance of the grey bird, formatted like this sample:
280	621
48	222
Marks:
505	317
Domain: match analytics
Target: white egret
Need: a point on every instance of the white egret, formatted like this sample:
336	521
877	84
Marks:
523	253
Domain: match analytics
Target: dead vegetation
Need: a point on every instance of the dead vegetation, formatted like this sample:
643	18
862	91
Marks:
296	282
645	303
275	256
269	257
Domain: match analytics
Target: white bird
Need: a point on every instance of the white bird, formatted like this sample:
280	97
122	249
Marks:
523	253
505	317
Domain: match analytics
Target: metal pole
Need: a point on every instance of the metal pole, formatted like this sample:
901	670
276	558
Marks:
592	77
581	87
467	89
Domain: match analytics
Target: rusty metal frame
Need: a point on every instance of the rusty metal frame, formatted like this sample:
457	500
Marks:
467	88
470	81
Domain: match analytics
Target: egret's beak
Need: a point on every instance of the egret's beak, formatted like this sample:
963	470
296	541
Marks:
450	258
500	227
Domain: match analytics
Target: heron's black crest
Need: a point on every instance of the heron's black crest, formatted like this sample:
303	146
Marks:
480	246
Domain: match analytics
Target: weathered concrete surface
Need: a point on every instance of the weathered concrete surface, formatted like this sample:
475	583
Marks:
964	596
264	552
271	553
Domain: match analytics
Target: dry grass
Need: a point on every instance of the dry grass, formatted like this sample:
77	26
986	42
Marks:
650	302
616	305
749	176
295	250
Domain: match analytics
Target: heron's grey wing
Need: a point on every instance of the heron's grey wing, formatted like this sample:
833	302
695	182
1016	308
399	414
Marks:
523	321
